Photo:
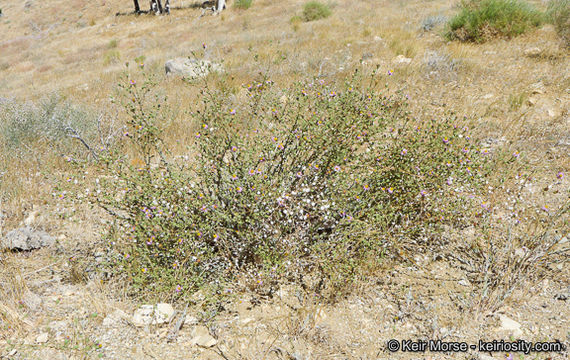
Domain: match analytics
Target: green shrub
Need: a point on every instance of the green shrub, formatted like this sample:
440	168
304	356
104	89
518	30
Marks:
558	13
311	178
243	4
314	10
481	20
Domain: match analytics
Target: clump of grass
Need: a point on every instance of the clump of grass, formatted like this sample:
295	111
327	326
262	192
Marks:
558	13
314	10
274	192
111	56
517	100
295	22
480	21
112	44
243	4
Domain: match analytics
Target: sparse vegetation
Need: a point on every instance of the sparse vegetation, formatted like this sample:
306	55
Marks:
243	4
314	10
111	57
479	21
558	13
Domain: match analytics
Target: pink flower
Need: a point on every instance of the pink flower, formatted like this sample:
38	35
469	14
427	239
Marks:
516	154
178	288
445	140
560	175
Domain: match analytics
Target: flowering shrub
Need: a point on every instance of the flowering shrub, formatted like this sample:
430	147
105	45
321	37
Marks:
313	177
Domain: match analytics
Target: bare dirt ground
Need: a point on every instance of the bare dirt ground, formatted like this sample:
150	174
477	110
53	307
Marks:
517	89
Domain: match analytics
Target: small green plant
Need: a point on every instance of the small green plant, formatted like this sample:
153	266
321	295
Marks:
112	44
111	56
314	10
243	4
558	13
482	20
517	100
140	60
295	22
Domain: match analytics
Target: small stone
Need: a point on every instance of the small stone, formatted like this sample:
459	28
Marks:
42	338
246	321
532	52
509	325
164	313
201	337
464	282
29	221
149	314
31	301
401	59
190	320
191	68
143	315
377	38
114	318
520	252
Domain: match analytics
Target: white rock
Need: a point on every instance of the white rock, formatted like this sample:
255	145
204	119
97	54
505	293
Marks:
246	321
201	337
164	313
464	282
114	318
190	320
42	338
532	52
29	221
143	315
401	59
148	314
191	68
509	325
